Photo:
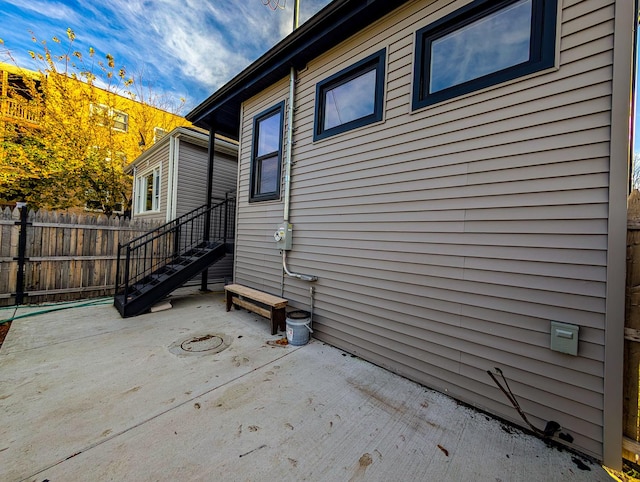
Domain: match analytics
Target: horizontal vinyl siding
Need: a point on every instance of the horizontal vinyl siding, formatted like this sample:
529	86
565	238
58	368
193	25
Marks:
258	263
446	239
225	175
193	163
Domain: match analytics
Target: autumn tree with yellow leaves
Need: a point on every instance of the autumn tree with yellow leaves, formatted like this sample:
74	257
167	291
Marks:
93	118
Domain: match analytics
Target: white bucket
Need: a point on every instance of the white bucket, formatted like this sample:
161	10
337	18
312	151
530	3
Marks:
298	327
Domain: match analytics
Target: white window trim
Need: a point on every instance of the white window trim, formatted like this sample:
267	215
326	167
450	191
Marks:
115	113
141	191
111	113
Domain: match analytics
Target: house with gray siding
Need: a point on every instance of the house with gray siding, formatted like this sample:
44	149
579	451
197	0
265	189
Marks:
450	177
170	179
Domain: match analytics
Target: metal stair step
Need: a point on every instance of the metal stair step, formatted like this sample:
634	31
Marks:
165	279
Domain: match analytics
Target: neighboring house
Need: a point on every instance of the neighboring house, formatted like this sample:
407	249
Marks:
170	179
14	98
132	126
456	175
136	123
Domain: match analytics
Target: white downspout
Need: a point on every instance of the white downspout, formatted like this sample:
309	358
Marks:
287	159
176	164
134	193
287	169
170	181
287	175
292	97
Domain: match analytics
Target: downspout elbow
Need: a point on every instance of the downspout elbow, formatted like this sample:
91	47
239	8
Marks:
303	277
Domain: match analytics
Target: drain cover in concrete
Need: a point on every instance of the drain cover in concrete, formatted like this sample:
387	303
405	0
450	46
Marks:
204	344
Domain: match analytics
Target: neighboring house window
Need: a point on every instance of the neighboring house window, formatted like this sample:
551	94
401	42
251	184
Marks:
148	192
158	133
120	120
351	98
267	154
100	113
105	115
483	44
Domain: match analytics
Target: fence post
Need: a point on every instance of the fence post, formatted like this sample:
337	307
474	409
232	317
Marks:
22	253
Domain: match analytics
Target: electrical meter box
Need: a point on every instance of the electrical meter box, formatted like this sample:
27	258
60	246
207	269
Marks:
284	236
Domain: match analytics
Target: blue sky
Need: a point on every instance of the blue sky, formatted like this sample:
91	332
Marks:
183	48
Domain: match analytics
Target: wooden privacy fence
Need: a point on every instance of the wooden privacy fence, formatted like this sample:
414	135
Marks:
631	408
66	256
631	347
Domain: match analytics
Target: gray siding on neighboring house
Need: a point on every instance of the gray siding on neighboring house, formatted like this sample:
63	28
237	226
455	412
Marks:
446	239
191	177
192	188
225	174
157	158
189	185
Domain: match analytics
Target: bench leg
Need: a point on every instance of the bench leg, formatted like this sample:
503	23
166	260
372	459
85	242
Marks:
277	320
229	300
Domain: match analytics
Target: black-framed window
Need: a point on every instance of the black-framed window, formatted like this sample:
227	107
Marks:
351	98
482	44
266	159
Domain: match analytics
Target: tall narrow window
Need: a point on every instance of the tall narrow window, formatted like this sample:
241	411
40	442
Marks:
267	154
351	98
148	192
485	43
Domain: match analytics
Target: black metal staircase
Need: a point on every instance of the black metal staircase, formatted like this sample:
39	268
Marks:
151	266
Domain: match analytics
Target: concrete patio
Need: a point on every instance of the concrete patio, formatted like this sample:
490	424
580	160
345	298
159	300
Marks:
87	395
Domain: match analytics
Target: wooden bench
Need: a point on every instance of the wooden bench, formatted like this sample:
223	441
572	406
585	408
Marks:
264	304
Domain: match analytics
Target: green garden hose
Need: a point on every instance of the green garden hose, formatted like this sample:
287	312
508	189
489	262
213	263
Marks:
54	307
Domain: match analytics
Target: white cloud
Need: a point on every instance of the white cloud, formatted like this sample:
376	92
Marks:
201	43
46	9
189	48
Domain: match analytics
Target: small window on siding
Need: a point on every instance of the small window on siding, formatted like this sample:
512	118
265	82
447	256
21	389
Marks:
267	154
148	192
351	98
483	44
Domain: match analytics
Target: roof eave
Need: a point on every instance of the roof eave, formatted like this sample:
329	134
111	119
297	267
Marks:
329	27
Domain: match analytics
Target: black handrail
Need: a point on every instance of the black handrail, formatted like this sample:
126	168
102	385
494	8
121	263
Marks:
148	253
